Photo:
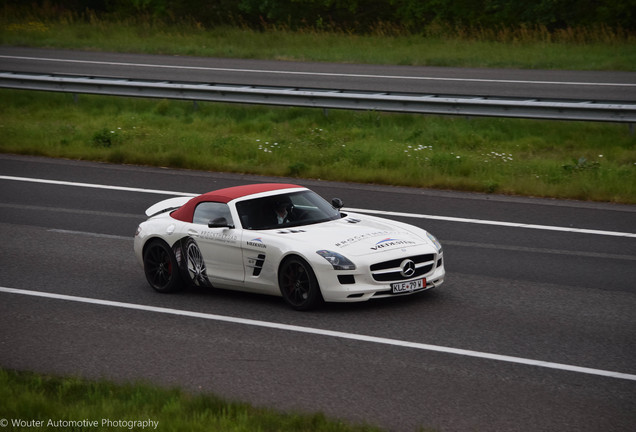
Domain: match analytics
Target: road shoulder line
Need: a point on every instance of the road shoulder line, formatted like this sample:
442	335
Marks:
323	332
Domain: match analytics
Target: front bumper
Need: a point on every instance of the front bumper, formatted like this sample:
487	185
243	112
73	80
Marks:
341	286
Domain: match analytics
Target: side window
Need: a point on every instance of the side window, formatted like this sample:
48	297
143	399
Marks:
207	211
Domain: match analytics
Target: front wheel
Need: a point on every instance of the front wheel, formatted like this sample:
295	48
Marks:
161	268
298	284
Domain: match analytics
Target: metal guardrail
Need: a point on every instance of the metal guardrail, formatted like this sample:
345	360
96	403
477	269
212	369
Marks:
338	99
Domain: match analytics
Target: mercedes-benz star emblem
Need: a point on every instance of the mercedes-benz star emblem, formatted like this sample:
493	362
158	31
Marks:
408	268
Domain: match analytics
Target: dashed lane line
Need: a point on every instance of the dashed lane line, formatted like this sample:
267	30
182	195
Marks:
367	211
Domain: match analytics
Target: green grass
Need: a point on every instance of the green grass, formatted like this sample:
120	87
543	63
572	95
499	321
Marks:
577	160
582	49
65	401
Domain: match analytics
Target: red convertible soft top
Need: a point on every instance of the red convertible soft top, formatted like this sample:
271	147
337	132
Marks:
186	211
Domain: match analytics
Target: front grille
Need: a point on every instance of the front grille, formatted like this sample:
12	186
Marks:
392	270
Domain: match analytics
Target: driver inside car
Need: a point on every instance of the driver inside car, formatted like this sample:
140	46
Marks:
282	210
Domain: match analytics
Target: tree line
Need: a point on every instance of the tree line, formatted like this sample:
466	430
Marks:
360	16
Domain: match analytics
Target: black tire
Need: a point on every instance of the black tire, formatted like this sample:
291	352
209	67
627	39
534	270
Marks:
298	284
161	268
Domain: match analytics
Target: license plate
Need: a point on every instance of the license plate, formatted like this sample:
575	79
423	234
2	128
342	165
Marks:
403	287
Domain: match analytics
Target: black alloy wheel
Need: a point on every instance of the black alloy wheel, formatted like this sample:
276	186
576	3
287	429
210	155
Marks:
298	284
161	268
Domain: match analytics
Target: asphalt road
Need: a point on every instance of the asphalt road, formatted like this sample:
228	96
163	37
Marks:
561	294
550	84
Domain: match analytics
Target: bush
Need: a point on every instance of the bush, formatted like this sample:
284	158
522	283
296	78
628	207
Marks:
365	15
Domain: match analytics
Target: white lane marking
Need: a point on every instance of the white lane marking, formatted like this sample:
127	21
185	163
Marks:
90	234
377	212
446	242
497	223
96	186
35	208
322	332
540	250
327	74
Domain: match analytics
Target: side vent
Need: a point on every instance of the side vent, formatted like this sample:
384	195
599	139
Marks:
258	265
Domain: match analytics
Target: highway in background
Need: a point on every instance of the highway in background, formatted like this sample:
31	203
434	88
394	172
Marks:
553	293
553	84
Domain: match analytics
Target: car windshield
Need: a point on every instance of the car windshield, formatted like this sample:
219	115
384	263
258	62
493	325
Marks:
285	210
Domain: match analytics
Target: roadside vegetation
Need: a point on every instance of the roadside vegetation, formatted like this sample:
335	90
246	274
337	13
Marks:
577	160
527	46
28	398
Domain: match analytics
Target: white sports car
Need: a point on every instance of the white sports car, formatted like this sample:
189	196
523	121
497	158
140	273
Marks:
284	239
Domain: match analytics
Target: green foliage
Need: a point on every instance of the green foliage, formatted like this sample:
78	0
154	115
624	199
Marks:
362	16
579	160
27	395
598	48
488	155
581	164
296	169
103	138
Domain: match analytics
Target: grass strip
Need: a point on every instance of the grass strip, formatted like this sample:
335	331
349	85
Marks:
598	48
33	401
575	160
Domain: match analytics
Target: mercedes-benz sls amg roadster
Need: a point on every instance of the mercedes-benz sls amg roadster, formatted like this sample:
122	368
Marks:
284	240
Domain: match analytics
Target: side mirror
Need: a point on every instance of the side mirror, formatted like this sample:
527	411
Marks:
219	223
337	203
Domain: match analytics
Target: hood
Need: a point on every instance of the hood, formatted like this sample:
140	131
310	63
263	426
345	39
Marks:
357	235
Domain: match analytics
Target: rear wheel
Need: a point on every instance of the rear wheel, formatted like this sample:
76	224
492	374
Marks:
161	268
195	264
298	284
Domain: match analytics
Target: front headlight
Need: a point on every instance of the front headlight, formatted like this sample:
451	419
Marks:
437	244
338	261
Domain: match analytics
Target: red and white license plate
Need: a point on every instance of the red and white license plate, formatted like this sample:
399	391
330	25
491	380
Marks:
404	287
